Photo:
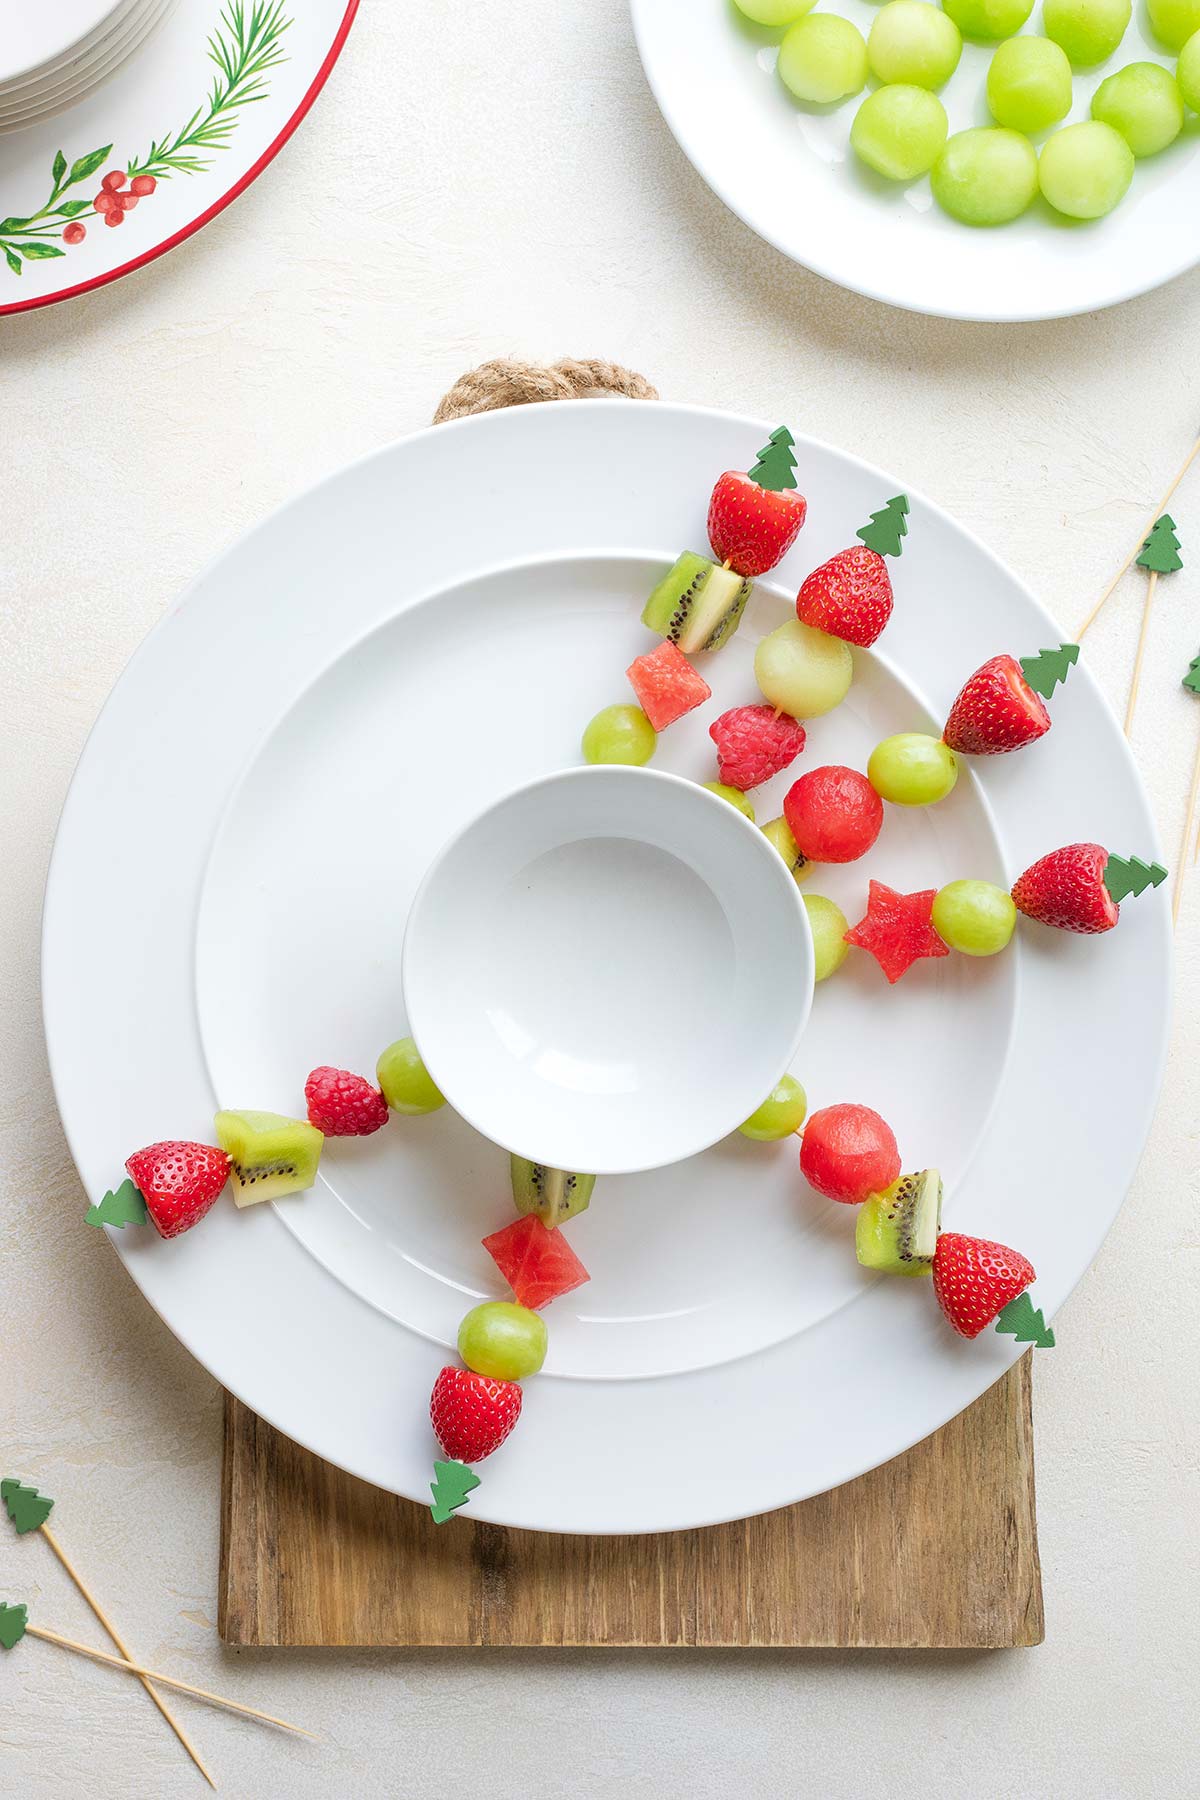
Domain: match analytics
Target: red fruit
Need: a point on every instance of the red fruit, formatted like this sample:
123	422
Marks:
896	929
754	743
344	1105
834	814
472	1415
104	202
113	180
848	1152
74	233
1066	888
750	527
537	1264
974	1280
850	596
114	217
996	710
142	184
178	1182
666	684
126	202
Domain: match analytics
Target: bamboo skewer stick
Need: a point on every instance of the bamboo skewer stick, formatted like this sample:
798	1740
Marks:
184	1687
113	1633
1161	508
1151	584
1193	793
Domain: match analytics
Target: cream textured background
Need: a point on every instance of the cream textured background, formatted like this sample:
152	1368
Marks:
477	181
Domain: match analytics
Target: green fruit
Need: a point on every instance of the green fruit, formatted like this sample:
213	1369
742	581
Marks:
897	1231
974	917
803	671
985	176
1174	21
774	12
270	1155
555	1195
823	58
1142	102
914	44
620	734
1188	72
405	1082
781	1113
1085	170
734	796
503	1341
697	604
912	769
989	18
777	830
829	927
899	132
1088	30
1029	84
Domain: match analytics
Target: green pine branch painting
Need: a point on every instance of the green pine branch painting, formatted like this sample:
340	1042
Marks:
245	46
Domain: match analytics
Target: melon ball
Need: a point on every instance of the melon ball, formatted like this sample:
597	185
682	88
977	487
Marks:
823	58
913	43
833	813
1085	170
848	1152
1029	84
1142	101
899	131
774	12
1173	22
1188	72
989	18
1088	30
803	671
986	176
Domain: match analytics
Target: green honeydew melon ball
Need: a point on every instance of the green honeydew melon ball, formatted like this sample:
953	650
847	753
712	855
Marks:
913	44
1173	22
1085	170
986	176
1142	101
899	131
1188	72
1029	84
989	18
774	12
823	58
1088	30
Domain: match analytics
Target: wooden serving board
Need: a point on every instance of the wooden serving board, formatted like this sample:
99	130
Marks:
937	1549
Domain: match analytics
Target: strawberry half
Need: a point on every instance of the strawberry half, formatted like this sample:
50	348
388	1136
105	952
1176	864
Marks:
471	1414
754	743
850	596
344	1105
974	1280
753	519
1066	888
996	710
179	1183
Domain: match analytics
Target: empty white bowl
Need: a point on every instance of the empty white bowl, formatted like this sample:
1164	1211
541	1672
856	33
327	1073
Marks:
608	970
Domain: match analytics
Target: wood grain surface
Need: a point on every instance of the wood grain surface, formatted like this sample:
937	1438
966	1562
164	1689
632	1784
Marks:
937	1549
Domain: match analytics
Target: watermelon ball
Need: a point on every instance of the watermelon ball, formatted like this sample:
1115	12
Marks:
848	1152
834	814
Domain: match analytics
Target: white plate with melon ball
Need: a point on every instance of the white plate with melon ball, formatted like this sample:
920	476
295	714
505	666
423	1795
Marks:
330	703
788	171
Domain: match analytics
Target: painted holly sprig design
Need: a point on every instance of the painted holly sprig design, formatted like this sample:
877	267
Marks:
245	47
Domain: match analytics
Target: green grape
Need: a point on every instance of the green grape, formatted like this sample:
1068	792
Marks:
774	12
912	769
780	835
1088	30
803	671
974	917
405	1082
829	927
1143	103
899	131
986	176
1188	72
823	58
502	1340
619	734
1029	84
1085	170
914	44
734	796
989	18
781	1113
1173	22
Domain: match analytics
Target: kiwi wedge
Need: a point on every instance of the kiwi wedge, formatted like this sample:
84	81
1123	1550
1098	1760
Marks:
555	1195
698	604
897	1230
270	1155
779	832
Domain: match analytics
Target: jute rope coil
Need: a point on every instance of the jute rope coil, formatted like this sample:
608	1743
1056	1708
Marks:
506	381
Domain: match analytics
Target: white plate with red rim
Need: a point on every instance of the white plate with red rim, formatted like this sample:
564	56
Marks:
186	121
788	172
226	905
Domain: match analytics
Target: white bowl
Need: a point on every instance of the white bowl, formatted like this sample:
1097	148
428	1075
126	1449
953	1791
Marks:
608	970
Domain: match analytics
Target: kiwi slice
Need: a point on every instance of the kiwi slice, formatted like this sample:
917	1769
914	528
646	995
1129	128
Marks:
897	1230
780	835
697	604
270	1155
555	1195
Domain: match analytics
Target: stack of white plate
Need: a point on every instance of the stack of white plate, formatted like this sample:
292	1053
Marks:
54	52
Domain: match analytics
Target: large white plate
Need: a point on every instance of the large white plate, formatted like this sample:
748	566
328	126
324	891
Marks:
789	173
226	903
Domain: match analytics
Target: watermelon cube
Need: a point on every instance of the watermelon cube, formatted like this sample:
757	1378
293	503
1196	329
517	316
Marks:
537	1264
666	684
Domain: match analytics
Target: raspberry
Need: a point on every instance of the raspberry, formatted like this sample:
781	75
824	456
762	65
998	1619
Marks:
74	233
142	184
113	180
754	743
343	1105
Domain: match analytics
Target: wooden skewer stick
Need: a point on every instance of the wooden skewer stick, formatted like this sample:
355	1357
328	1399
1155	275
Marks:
1161	508
1180	872
111	1629
184	1687
1151	584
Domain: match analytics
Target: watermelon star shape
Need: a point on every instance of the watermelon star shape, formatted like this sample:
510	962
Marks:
897	929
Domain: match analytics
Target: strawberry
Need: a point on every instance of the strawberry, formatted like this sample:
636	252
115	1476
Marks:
344	1105
472	1414
178	1182
753	519
754	743
850	596
1066	888
996	710
974	1280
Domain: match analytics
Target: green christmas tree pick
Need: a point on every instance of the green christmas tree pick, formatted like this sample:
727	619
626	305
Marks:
451	1484
1024	1321
1160	552
1192	679
13	1623
1125	875
776	466
27	1509
887	527
124	1207
1044	671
